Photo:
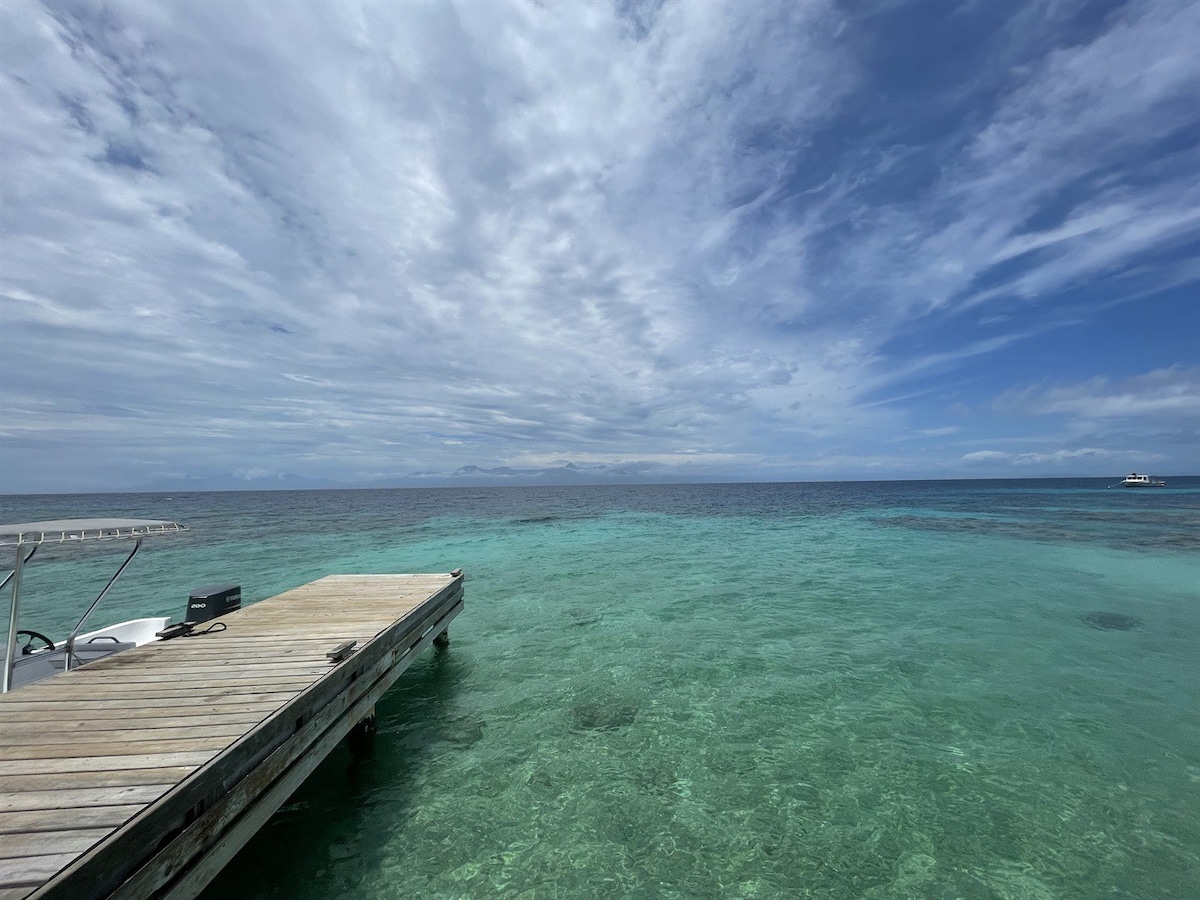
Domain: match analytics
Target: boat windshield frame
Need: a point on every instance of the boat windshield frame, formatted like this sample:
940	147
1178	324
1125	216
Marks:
26	537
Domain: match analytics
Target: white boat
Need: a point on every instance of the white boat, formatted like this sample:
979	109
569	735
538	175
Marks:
37	656
1133	479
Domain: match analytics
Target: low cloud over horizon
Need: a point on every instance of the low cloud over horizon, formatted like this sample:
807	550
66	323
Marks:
683	241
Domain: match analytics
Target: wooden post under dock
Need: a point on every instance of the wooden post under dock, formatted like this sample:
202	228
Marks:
144	773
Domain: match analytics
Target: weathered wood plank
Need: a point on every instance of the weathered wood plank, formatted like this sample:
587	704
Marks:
138	732
109	817
81	715
241	651
75	705
229	676
31	870
83	748
154	718
41	843
217	665
191	682
203	693
71	798
105	763
102	778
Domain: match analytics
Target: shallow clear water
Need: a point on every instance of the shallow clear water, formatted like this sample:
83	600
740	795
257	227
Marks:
847	690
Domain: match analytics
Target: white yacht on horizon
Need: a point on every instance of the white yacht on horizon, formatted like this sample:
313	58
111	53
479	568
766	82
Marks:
1133	479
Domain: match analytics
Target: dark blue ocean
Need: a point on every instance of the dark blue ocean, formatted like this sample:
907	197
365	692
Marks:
981	690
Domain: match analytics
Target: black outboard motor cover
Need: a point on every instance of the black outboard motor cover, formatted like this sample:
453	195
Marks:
213	600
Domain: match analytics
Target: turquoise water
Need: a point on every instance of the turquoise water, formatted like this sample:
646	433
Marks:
849	690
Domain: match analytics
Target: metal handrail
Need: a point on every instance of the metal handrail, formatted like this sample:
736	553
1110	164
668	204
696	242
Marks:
70	645
28	557
14	613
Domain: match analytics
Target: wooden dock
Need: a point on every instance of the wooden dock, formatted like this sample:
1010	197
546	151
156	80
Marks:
142	774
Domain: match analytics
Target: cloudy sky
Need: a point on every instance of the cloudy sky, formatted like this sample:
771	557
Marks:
774	241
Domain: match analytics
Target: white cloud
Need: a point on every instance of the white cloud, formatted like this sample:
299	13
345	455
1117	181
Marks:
987	456
1055	457
1164	394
